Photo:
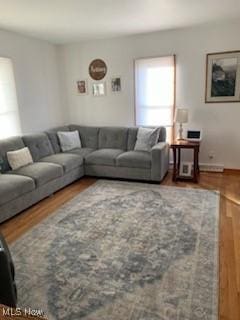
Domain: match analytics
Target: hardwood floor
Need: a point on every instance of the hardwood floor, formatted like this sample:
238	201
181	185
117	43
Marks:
229	186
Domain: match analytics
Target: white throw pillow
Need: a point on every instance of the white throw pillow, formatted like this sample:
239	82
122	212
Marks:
19	158
146	139
69	140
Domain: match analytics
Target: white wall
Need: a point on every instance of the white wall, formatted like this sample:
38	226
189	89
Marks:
220	122
37	81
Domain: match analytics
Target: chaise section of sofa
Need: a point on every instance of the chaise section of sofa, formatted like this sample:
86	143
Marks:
13	186
104	152
23	187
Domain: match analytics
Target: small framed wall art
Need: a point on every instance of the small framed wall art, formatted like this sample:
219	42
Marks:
99	89
116	85
223	77
82	87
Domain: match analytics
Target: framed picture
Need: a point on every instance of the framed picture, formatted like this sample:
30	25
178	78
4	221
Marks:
116	84
185	169
97	69
223	77
99	89
82	87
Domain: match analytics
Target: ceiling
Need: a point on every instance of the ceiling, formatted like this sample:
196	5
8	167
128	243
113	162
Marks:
65	21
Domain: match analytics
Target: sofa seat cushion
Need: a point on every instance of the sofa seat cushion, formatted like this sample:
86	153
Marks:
40	172
103	156
13	186
83	152
68	161
134	159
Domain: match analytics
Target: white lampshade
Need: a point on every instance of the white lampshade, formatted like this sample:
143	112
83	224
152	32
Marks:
181	115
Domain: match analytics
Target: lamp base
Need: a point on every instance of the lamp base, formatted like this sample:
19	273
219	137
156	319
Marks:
180	132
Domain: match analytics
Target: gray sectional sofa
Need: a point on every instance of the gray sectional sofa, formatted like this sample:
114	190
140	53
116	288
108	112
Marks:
105	152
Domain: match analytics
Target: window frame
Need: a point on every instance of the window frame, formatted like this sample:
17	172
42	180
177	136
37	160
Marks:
16	110
171	127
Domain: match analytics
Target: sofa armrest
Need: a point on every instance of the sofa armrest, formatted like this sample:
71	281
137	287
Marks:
160	161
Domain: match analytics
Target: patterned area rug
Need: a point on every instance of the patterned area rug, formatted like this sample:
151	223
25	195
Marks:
124	251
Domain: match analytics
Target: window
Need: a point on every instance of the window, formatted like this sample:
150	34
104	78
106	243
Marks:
155	92
9	117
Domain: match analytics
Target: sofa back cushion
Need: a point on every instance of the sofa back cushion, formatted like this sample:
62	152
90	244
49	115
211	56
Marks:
132	136
113	138
162	134
39	145
88	135
53	137
10	144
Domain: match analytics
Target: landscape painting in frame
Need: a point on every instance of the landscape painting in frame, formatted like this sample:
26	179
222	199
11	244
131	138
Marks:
223	77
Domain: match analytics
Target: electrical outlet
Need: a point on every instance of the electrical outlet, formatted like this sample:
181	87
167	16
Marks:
211	155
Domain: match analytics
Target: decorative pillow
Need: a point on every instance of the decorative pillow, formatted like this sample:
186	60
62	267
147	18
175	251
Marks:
69	140
19	158
146	139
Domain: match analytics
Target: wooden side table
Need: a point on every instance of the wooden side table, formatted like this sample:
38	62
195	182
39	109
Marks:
177	146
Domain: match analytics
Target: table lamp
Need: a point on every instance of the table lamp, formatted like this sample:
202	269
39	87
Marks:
181	116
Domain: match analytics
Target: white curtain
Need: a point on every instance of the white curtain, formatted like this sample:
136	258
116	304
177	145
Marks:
9	116
154	91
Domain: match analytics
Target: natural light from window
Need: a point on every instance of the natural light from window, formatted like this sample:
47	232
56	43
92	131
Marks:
154	89
9	116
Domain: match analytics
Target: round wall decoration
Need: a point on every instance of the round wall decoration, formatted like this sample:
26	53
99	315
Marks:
97	69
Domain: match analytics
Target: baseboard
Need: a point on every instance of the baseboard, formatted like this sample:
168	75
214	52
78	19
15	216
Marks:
207	167
232	171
